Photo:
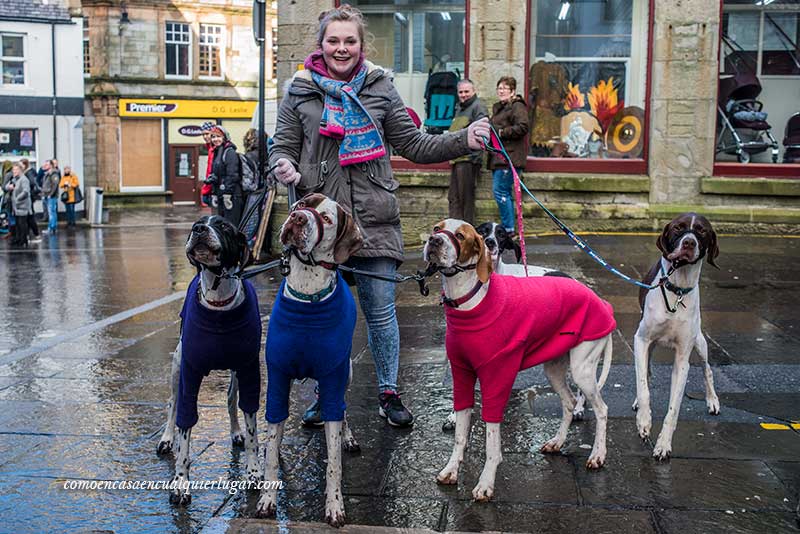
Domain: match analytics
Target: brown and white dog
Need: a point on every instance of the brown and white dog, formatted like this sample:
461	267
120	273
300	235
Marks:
321	235
459	251
671	317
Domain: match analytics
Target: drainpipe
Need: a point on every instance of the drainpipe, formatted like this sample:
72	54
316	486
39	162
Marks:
55	107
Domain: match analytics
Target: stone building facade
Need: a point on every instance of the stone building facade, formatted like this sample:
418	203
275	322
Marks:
155	70
667	61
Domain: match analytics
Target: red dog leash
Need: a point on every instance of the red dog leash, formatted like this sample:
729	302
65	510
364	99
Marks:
498	148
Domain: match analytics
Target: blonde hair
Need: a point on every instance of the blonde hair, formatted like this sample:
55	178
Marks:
343	13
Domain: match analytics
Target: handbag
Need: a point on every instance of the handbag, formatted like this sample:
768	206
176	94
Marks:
65	197
78	195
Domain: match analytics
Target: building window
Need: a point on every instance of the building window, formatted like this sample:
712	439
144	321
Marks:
87	63
12	60
179	42
758	120
587	79
416	39
211	44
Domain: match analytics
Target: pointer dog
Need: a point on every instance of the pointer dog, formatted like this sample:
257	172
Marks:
555	321
220	329
313	297
498	241
671	317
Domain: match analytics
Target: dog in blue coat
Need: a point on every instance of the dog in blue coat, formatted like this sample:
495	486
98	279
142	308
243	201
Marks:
220	329
310	336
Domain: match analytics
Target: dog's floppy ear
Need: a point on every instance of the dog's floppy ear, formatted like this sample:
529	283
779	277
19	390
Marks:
713	250
663	240
245	256
348	239
484	265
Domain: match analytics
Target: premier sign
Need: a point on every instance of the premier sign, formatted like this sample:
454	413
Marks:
150	109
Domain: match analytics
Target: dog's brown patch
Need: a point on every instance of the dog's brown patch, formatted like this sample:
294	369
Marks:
471	246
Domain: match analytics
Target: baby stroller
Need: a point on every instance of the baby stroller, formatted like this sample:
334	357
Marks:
441	95
743	126
791	141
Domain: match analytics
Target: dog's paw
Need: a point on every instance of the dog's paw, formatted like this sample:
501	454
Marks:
179	491
164	447
267	504
551	447
644	424
449	424
596	460
448	475
483	492
351	445
663	449
237	439
635	405
578	415
335	518
713	405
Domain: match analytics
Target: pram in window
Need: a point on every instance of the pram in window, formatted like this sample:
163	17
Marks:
791	141
441	95
743	128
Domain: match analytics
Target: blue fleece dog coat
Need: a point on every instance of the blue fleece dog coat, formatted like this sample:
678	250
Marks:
310	340
219	340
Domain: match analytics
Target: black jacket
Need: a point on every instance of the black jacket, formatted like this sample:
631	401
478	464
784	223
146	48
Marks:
226	168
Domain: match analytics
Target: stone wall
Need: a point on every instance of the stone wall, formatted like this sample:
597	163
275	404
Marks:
683	98
297	34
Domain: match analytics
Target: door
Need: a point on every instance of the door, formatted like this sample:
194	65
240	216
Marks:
183	177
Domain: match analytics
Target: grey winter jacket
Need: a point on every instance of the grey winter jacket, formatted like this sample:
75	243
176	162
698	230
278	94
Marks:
21	196
467	113
366	189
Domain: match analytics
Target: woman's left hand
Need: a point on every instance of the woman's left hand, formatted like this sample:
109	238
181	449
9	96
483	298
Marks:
477	132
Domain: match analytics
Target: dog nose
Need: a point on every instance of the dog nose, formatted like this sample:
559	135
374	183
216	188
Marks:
434	239
490	242
199	229
689	244
298	217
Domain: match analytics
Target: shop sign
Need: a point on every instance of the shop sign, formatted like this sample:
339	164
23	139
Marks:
190	130
220	109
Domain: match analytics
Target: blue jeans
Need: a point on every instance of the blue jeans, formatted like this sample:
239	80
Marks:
503	189
377	303
70	214
52	213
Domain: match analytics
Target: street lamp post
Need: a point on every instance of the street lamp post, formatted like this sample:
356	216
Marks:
259	32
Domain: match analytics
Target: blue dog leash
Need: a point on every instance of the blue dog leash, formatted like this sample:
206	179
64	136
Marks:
580	242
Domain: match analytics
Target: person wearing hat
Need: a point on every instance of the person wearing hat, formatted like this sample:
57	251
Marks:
225	176
207	189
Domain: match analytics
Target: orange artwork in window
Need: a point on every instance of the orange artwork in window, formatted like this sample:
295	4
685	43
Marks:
604	103
574	99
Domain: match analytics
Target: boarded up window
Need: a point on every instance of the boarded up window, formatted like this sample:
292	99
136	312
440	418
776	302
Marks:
141	153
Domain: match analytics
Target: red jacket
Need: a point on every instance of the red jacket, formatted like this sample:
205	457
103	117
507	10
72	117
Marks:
208	188
521	322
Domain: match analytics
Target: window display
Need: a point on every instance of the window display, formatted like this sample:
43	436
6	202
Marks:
587	79
758	115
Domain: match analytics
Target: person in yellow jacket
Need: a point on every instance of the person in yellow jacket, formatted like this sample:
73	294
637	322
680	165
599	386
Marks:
69	184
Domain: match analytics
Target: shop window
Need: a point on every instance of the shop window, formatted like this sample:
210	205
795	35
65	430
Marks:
211	43
87	63
12	60
416	39
274	40
178	49
18	143
587	80
758	118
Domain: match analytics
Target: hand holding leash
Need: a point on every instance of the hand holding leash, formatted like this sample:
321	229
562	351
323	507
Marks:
478	133
285	172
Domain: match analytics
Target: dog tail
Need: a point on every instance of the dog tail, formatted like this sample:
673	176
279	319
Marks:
606	363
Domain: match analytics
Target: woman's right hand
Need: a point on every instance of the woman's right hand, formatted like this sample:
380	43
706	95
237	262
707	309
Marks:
285	172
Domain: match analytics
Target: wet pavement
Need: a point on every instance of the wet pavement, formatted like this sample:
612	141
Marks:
89	318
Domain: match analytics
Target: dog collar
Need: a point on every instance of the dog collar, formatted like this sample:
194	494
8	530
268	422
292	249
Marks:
667	285
312	262
455	303
315	297
219	303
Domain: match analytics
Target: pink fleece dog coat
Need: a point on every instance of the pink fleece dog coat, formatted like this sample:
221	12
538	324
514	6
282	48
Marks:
521	322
